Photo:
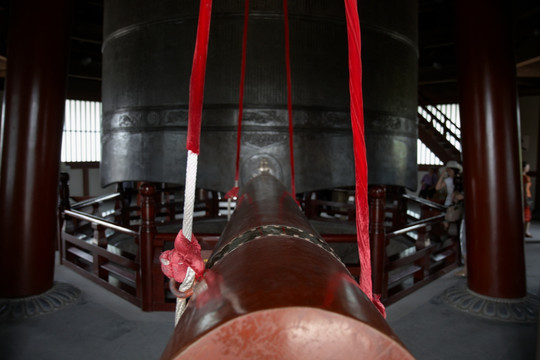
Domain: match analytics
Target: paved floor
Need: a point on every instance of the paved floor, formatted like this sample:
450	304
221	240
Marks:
103	326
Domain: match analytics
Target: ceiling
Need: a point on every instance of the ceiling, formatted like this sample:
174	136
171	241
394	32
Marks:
437	62
437	77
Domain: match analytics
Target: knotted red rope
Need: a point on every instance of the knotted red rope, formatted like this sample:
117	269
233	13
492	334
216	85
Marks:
360	161
175	263
187	251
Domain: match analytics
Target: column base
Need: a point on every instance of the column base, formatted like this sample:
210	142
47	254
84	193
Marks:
523	310
56	298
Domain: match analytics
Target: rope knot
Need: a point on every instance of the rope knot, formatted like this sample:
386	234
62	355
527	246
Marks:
175	263
233	193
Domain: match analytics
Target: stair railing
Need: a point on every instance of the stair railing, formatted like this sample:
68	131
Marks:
440	122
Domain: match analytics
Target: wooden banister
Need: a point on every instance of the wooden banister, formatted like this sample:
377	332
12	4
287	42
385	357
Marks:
94	201
100	221
426	202
416	225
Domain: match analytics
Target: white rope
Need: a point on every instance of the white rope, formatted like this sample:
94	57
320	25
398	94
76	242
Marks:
189	194
229	212
229	201
187	227
185	286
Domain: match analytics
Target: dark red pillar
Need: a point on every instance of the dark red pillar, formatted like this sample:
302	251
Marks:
31	137
492	171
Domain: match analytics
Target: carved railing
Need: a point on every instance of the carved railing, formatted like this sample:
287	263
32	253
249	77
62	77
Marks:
431	250
91	256
89	242
318	206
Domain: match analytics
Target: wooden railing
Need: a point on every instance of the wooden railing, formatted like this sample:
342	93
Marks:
433	253
87	243
133	275
90	255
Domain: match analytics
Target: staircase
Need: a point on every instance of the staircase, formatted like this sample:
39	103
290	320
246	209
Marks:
439	133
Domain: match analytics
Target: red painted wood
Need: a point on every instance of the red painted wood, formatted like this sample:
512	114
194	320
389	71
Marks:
146	251
492	172
31	143
300	333
273	296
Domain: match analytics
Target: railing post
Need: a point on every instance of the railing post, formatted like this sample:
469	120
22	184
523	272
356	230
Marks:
146	238
422	242
377	200
101	241
423	233
118	205
129	189
63	192
401	209
99	235
211	201
309	207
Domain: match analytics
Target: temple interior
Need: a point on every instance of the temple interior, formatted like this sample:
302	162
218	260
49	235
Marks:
292	191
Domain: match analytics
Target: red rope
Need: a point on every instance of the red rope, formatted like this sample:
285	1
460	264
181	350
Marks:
289	94
187	253
241	97
198	72
234	191
357	121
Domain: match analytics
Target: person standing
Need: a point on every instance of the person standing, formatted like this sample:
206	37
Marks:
452	181
446	181
527	198
429	181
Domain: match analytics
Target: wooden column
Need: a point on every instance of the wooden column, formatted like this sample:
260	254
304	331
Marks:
34	102
492	170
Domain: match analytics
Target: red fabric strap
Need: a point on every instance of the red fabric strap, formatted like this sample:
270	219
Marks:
289	94
241	96
232	193
360	161
198	72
